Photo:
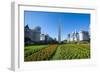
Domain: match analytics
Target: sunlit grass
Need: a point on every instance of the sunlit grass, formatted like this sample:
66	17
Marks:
56	52
72	51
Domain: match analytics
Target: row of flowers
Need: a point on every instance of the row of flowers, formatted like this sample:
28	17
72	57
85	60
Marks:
43	54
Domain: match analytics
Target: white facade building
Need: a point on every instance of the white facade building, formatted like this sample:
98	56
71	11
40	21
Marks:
45	38
42	37
83	35
74	36
78	36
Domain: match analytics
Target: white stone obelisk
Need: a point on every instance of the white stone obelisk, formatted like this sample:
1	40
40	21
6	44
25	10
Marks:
59	33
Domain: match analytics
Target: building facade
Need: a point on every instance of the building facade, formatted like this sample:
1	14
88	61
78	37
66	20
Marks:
84	35
35	36
32	35
45	38
79	36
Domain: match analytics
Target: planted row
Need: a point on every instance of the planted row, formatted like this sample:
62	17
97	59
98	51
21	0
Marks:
72	51
43	54
29	50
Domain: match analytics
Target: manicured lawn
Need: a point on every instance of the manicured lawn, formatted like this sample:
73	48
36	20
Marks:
43	54
29	50
72	51
56	52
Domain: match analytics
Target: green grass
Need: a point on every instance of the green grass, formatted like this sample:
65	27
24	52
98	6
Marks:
72	51
43	54
29	50
61	52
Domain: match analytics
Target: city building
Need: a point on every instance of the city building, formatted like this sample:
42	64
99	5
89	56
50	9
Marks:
35	36
32	35
45	38
78	36
59	33
84	35
42	37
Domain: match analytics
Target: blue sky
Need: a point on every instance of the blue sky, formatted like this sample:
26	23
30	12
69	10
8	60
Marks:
49	21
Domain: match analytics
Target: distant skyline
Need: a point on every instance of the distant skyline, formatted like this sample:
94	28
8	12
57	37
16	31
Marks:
49	21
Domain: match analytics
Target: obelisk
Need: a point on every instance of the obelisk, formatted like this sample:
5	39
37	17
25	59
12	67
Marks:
59	33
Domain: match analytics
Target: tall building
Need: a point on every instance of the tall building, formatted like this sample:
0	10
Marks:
42	38
46	38
74	36
78	36
84	35
32	35
36	33
59	33
69	36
